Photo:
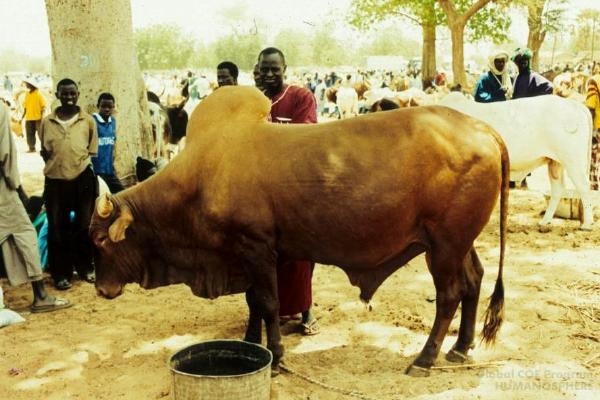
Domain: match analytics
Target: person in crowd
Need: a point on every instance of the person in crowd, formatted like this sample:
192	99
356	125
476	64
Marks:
296	105
592	101
17	235
496	84
528	83
106	126
227	73
69	139
7	85
256	75
33	111
319	93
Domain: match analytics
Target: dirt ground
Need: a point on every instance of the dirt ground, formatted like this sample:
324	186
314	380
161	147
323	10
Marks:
549	346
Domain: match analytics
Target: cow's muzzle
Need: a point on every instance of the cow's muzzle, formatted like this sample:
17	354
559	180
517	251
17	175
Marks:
109	293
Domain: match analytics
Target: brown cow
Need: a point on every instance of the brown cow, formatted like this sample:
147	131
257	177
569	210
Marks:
367	194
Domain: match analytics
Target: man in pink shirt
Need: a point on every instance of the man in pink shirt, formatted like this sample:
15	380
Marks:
295	105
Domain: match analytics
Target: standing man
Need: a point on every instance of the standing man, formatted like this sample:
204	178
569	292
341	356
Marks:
34	107
227	74
496	84
256	76
296	105
17	235
69	139
528	83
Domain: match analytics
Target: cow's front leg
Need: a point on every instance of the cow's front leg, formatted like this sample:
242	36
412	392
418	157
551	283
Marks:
259	261
254	329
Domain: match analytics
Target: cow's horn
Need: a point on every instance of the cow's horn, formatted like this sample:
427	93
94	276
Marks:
104	206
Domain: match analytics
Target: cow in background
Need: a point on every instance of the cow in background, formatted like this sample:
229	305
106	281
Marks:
541	130
169	124
220	218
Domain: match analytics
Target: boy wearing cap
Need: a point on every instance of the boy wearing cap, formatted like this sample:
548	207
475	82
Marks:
33	112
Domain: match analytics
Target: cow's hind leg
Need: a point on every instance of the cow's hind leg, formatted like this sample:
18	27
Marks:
446	269
473	273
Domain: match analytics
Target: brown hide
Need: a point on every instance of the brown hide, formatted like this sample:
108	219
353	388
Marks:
366	194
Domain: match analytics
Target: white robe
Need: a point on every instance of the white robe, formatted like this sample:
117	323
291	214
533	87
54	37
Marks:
17	234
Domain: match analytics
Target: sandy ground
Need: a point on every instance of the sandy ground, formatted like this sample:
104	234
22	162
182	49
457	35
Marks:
548	348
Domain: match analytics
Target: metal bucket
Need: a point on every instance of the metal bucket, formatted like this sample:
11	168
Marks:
569	206
221	370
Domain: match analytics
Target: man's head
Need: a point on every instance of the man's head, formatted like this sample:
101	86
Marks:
256	75
271	66
497	62
30	84
106	105
522	59
227	73
67	92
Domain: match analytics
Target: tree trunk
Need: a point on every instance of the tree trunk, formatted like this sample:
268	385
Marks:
92	43
458	55
535	36
428	68
456	24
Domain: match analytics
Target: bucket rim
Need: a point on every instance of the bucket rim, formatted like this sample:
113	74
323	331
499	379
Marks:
256	345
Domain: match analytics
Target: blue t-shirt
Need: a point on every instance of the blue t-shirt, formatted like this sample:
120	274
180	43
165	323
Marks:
107	136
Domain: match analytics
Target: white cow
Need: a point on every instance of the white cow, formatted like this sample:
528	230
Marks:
347	102
541	130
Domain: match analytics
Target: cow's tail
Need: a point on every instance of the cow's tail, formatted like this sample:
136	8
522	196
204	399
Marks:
494	315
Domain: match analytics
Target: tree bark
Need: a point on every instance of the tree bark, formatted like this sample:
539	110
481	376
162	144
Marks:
535	36
428	54
456	24
92	43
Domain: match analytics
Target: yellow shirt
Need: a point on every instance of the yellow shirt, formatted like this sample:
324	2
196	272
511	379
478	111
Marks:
34	105
593	103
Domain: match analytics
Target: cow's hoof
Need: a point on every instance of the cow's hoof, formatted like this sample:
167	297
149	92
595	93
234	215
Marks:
587	228
545	228
417	372
456	357
275	371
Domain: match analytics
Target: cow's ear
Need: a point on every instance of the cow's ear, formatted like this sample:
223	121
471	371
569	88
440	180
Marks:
116	232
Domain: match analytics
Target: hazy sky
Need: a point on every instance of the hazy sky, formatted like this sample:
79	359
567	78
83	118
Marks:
24	27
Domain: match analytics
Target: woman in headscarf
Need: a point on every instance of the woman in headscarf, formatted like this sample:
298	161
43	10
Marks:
495	85
592	101
528	83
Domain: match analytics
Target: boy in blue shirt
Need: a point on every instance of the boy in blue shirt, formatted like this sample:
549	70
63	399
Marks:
106	126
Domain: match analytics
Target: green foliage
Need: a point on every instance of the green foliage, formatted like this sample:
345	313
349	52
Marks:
588	32
12	60
296	45
163	46
240	48
390	42
364	14
327	51
490	23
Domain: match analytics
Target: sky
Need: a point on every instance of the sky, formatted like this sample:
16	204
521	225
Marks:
24	27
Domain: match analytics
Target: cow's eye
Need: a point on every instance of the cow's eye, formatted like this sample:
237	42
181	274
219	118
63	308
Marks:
100	238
